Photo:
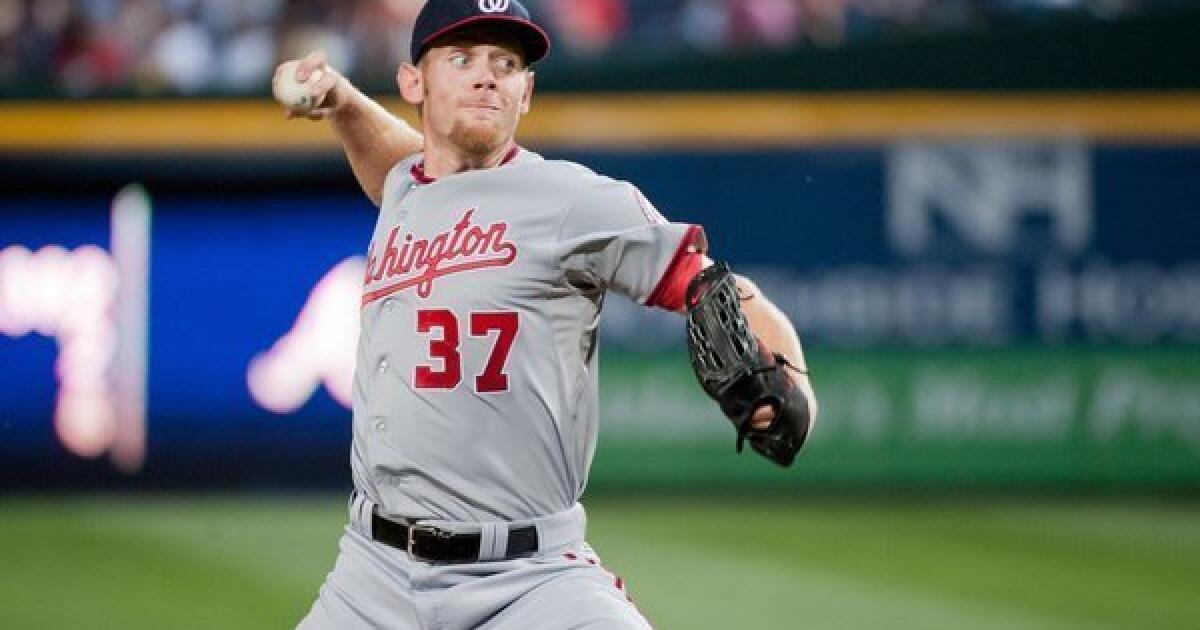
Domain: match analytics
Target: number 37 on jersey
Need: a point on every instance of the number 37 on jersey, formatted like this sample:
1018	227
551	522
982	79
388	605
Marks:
444	330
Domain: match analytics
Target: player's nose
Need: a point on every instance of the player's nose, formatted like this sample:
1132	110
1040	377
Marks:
485	77
485	81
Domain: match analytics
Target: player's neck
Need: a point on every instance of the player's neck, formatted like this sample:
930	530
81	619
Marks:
440	161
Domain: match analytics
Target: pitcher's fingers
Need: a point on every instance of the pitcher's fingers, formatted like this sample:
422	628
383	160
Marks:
319	114
763	417
311	61
321	89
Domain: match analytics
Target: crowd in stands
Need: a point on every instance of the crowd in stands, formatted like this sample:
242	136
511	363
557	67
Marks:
86	47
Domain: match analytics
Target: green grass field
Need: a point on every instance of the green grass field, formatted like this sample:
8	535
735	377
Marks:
255	562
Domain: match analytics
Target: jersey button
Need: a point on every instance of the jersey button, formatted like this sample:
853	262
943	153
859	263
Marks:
380	425
383	365
389	304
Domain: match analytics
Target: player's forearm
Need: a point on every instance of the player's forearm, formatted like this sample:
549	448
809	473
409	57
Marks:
373	139
773	327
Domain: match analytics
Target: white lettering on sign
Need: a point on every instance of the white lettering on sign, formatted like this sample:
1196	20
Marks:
957	406
986	192
1132	302
856	407
319	348
1130	402
68	295
93	304
925	305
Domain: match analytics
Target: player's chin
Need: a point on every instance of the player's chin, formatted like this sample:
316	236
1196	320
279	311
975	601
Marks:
478	137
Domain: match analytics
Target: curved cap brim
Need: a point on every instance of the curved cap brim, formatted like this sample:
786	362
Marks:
534	41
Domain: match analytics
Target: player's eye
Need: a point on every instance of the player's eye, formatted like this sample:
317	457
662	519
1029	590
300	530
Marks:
507	65
458	59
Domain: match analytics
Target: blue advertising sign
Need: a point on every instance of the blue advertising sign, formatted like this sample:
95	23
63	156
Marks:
192	338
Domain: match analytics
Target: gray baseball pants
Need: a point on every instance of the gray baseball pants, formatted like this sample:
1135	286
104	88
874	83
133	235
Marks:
562	587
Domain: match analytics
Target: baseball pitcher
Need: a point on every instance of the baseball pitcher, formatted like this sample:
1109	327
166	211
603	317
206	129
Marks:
475	393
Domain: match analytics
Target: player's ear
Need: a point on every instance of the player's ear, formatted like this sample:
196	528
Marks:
411	83
527	98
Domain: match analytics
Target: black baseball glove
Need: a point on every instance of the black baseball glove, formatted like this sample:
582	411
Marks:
738	371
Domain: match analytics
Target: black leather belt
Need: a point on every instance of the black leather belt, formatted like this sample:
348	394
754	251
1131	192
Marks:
435	545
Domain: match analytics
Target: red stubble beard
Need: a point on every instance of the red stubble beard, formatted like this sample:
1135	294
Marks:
477	138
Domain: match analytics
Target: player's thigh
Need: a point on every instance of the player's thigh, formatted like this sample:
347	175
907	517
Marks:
588	598
366	589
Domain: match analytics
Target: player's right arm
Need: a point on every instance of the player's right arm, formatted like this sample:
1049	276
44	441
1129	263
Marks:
374	140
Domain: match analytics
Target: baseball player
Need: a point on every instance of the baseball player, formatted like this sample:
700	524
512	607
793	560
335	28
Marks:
475	393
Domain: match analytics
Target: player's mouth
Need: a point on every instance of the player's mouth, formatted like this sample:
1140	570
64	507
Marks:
481	107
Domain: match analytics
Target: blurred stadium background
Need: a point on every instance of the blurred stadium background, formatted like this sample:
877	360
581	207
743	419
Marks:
982	215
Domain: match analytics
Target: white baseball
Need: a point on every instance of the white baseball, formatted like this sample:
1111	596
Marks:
293	94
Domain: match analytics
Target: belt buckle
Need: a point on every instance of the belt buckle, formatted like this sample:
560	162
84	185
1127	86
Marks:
414	529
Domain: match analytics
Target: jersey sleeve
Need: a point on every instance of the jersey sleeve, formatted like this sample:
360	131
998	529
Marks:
617	240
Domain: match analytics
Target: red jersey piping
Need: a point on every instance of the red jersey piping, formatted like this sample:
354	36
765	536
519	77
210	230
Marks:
418	170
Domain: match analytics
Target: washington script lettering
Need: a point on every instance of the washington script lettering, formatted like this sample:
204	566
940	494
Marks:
418	261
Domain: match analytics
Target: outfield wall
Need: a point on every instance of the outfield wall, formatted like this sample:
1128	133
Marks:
980	310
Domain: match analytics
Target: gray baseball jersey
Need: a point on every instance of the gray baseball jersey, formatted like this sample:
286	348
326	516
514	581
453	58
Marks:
475	394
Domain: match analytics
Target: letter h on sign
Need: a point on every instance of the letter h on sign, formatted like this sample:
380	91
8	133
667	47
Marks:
985	190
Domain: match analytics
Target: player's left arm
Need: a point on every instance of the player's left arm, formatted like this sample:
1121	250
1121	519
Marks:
775	331
745	352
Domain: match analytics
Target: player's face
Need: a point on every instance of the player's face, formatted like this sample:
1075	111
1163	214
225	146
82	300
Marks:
473	88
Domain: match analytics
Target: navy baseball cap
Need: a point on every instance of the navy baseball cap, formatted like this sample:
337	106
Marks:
439	17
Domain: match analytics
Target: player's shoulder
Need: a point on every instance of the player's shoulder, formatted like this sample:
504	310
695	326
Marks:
575	171
550	178
563	169
575	175
608	198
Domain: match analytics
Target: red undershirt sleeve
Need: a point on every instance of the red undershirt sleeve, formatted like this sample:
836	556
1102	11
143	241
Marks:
671	289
